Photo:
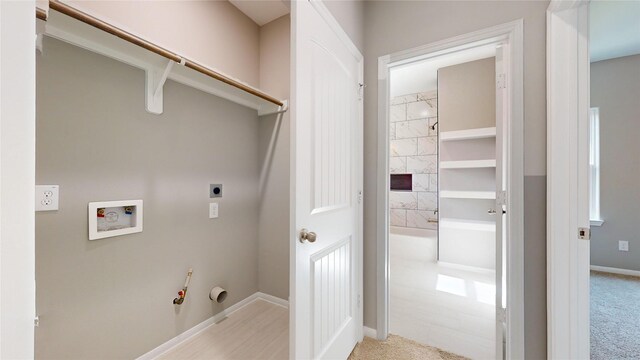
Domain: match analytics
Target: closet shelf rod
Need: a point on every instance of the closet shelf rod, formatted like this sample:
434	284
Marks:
124	35
41	14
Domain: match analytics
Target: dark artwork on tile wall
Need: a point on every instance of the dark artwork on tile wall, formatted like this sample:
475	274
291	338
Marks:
401	182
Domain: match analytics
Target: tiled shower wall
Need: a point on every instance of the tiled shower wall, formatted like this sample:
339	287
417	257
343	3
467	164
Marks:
414	150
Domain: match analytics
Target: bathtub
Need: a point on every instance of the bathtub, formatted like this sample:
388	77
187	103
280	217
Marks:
413	244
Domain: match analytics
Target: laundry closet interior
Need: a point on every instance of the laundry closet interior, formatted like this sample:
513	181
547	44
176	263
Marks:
163	169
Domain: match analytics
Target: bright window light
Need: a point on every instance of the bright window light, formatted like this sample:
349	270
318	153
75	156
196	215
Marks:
485	293
594	164
451	285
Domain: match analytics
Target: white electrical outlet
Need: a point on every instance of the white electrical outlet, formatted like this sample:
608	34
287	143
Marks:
213	210
623	245
47	197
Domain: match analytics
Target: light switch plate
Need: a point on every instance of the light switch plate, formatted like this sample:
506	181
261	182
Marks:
213	210
47	197
623	245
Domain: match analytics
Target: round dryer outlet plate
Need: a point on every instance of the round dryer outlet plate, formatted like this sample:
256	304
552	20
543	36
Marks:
215	190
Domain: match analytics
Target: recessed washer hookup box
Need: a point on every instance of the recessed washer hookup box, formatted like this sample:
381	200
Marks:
114	218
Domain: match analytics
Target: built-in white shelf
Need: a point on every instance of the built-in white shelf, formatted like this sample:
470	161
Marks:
450	194
468	134
466	224
468	164
158	67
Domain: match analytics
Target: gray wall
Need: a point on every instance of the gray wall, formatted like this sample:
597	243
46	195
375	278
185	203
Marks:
392	26
467	95
615	87
112	298
535	267
274	231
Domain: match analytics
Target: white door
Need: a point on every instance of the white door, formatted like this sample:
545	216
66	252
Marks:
502	103
326	319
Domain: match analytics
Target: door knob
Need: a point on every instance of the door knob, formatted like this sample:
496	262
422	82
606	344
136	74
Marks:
306	235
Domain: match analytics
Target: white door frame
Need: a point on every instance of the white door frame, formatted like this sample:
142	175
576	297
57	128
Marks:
511	32
17	180
567	179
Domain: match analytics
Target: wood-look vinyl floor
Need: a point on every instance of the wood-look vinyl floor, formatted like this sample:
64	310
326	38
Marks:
259	330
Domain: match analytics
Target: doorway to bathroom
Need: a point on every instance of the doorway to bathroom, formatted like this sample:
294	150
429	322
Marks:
442	234
451	232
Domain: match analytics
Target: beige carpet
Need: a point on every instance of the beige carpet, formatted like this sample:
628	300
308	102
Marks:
615	316
398	348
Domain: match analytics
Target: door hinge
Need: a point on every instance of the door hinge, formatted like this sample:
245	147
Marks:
358	300
501	81
584	233
359	196
36	321
361	87
501	315
501	198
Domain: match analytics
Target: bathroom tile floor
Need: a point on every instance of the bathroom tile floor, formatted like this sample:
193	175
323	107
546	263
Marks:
259	330
438	305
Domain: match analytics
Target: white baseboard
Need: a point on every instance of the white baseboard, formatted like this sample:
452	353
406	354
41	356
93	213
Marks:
467	267
615	270
165	347
273	299
369	332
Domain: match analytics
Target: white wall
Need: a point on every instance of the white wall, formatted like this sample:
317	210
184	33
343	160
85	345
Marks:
17	170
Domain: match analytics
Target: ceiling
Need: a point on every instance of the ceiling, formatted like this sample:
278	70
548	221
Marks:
614	29
423	75
262	11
